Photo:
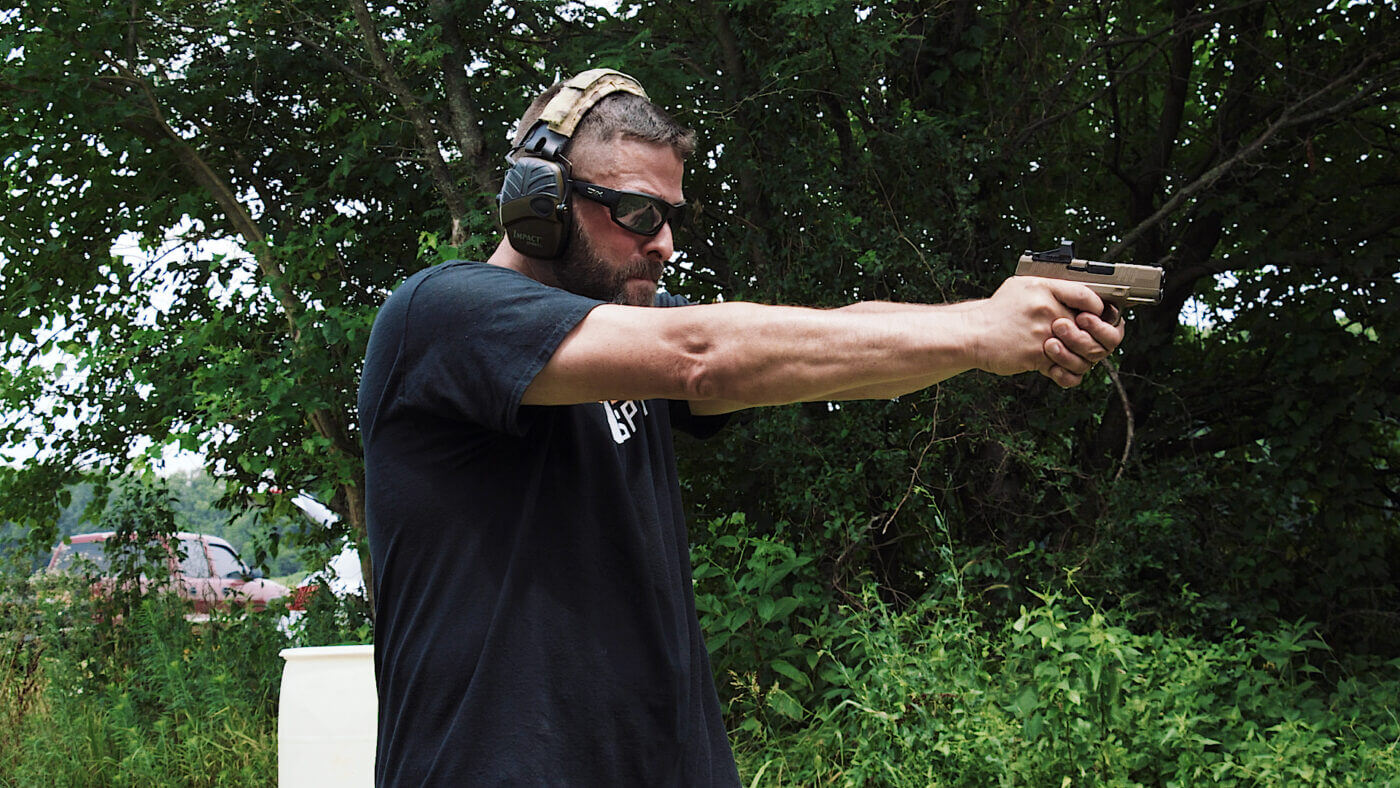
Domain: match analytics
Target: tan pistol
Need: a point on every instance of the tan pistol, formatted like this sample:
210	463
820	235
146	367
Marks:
1120	284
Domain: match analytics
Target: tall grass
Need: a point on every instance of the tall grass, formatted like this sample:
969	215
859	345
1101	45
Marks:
121	689
109	692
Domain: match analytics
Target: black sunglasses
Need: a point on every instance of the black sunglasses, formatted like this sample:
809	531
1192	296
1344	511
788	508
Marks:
639	212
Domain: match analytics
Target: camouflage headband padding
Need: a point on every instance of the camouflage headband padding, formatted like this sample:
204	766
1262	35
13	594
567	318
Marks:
579	94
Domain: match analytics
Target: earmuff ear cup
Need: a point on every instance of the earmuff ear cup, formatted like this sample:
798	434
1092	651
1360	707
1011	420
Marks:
534	211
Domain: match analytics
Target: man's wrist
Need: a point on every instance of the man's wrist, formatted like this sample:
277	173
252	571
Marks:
972	333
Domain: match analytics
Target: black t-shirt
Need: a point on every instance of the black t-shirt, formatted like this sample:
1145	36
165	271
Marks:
535	617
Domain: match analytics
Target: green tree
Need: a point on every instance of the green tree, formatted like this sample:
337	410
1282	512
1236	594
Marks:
324	143
895	150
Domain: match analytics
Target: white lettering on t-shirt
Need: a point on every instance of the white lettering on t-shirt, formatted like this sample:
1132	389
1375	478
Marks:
622	418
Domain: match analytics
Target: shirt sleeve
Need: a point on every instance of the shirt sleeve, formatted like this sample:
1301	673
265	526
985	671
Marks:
474	337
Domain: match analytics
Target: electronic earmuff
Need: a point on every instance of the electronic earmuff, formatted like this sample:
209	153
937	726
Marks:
534	198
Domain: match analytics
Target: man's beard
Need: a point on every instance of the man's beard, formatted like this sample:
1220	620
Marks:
581	270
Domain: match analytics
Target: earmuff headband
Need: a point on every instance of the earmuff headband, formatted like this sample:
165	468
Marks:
563	112
534	198
583	91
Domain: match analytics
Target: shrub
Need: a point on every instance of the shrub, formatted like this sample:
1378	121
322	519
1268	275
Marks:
767	623
1063	695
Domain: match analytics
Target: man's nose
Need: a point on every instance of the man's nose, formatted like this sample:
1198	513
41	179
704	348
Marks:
662	245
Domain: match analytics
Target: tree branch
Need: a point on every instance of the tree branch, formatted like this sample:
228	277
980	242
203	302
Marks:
1179	31
1288	117
339	64
422	126
462	116
1127	416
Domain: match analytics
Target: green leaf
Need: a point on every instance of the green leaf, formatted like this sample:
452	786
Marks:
785	704
765	609
1025	702
786	669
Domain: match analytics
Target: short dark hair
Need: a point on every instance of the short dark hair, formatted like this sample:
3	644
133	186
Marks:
616	116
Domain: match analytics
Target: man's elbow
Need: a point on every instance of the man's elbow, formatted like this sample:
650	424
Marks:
712	364
708	378
700	372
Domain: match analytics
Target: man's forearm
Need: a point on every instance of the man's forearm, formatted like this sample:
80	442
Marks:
894	388
882	389
760	355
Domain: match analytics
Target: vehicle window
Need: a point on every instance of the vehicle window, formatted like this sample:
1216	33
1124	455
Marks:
194	563
225	562
85	552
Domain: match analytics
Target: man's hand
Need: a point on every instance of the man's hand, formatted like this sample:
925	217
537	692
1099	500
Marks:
1059	329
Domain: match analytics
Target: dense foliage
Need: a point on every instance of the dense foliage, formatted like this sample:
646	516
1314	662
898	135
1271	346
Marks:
1063	694
283	165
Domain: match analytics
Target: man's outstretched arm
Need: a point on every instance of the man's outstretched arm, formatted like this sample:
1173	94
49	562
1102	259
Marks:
1094	335
732	355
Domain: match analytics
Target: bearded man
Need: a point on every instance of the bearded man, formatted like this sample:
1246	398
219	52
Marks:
535	612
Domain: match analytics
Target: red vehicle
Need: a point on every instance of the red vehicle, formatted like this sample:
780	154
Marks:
210	574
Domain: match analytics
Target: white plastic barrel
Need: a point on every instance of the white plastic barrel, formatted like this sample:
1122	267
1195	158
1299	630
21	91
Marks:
326	717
